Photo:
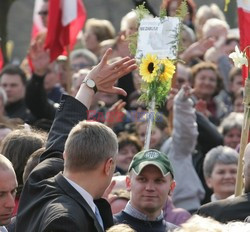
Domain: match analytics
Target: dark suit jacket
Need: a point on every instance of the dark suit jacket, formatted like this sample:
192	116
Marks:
48	202
237	208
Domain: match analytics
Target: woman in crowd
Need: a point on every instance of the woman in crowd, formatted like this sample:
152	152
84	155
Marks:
220	168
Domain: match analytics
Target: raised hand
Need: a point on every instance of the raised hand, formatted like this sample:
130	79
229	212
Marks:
115	114
105	75
39	57
197	49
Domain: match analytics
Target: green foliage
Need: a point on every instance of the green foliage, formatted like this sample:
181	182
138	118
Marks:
133	43
163	13
181	13
157	90
182	10
141	12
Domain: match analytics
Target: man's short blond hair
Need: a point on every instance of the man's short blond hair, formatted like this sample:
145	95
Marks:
89	144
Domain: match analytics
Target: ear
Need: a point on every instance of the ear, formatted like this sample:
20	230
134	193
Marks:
64	155
209	182
128	183
108	167
172	187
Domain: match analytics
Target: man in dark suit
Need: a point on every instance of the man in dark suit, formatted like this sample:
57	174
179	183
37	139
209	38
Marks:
71	201
236	208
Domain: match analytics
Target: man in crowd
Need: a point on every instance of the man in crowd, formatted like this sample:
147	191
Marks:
8	185
150	181
235	208
13	80
71	201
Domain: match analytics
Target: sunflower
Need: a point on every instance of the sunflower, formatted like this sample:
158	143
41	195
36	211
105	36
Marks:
149	67
167	69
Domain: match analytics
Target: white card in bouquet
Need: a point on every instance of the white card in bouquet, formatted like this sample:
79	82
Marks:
158	36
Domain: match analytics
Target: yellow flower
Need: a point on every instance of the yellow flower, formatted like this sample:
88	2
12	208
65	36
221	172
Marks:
167	69
149	67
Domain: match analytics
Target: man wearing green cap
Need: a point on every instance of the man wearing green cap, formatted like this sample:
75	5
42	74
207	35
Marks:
150	181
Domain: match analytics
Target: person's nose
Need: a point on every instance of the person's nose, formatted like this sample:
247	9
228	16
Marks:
10	201
150	186
131	154
229	175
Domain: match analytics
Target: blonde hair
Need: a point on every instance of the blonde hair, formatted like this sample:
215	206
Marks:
125	20
121	227
201	224
89	144
103	29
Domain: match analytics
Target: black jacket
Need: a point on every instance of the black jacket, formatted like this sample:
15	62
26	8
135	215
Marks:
48	202
237	208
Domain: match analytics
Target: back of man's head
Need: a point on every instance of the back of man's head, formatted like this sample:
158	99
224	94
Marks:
88	145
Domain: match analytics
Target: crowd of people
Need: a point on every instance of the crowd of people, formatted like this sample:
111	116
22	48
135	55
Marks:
72	133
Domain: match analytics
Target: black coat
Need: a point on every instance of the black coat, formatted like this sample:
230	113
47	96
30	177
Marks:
48	202
237	208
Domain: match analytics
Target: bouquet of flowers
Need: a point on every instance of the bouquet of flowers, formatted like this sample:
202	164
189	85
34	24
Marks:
156	47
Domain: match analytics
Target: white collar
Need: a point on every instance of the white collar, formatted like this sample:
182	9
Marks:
87	197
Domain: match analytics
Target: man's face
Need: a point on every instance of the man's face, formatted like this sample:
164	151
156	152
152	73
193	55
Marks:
149	190
80	63
8	185
13	87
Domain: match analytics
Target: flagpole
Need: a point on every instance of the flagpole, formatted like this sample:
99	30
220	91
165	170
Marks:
150	117
68	72
244	138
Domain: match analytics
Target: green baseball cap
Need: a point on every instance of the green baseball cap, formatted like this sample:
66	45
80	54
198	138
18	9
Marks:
151	157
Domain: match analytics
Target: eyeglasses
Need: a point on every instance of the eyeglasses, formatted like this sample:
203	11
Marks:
76	67
43	13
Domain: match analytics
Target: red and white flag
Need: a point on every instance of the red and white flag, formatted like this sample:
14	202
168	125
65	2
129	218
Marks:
65	20
37	21
244	22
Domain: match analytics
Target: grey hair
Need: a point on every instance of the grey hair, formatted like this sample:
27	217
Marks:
190	32
233	120
3	95
214	22
219	155
124	21
88	145
85	53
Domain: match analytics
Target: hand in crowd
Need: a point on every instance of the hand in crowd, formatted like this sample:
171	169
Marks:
107	194
115	114
185	92
197	49
201	106
39	57
170	99
122	45
105	75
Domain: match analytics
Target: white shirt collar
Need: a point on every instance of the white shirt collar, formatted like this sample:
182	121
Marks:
87	197
3	229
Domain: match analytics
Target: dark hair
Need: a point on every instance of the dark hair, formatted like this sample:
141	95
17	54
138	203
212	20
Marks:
14	70
18	145
125	138
234	72
32	162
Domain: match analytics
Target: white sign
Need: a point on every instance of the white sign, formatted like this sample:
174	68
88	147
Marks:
158	36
